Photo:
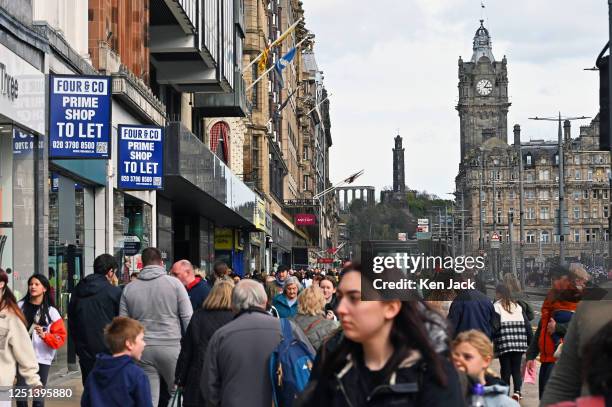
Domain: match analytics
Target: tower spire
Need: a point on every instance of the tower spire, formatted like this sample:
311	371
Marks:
482	44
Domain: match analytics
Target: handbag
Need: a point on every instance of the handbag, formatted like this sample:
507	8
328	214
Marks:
177	398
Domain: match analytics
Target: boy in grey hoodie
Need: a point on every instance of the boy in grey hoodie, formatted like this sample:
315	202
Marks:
161	304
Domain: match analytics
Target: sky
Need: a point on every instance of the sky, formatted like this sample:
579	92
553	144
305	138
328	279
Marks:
393	64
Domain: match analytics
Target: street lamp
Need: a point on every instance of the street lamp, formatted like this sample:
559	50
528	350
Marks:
317	197
561	217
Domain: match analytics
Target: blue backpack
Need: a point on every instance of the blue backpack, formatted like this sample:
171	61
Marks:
290	366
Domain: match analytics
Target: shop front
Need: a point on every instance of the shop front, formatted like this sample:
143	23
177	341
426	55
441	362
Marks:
202	203
22	115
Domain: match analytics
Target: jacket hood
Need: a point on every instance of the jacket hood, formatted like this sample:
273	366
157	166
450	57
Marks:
108	367
495	385
91	285
152	272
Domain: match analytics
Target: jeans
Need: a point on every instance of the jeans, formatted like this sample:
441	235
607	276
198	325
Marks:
545	371
160	360
510	363
43	372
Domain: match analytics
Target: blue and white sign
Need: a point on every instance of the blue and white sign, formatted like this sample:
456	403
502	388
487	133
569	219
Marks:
141	157
79	116
23	142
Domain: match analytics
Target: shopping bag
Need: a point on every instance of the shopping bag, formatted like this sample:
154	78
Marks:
177	399
529	377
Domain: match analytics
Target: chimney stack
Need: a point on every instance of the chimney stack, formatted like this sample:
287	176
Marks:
567	130
517	135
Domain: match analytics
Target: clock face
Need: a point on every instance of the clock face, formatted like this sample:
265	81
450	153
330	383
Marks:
484	87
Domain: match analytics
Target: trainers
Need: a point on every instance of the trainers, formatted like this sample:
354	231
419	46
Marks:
517	396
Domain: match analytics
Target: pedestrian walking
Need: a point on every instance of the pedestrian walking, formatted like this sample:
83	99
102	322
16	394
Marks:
286	302
518	295
591	316
557	311
271	292
310	317
221	271
383	357
440	299
215	312
471	309
16	351
472	354
512	339
160	303
116	381
282	272
45	326
328	286
93	305
197	288
236	371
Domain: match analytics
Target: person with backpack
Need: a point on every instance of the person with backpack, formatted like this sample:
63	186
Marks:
93	305
45	327
310	317
512	339
384	357
236	370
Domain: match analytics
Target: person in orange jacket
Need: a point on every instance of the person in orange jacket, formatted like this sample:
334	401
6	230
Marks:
45	326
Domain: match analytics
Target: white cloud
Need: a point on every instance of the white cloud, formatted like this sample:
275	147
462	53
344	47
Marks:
393	64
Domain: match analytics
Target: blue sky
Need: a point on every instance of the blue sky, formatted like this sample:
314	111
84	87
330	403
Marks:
393	64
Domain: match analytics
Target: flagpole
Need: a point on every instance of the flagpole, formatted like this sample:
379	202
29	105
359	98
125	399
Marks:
272	67
281	37
318	104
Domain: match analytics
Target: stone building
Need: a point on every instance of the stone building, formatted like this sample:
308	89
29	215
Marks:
491	165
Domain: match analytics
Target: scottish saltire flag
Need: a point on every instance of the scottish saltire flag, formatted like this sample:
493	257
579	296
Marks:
284	61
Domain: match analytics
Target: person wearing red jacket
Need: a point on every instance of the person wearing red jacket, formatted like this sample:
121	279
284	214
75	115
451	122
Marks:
558	308
45	326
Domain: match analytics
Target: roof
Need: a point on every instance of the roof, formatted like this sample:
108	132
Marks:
482	44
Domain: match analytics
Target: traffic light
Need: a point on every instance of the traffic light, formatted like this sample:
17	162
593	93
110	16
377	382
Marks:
604	102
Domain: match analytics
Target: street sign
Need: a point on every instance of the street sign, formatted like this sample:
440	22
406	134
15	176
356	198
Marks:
495	239
401	236
423	221
423	235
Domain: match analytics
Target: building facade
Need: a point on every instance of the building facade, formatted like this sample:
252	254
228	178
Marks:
491	168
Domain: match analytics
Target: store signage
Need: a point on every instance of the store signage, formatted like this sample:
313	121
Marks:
324	260
305	219
79	116
131	245
23	142
141	155
224	239
22	91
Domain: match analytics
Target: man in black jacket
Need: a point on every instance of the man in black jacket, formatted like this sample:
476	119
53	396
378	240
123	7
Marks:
93	305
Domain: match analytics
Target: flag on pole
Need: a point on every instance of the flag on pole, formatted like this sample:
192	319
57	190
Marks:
263	61
284	61
276	114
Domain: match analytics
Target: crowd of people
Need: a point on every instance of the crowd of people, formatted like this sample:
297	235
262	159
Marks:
306	338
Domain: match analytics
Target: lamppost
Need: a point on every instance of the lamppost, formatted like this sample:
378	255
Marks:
349	180
561	216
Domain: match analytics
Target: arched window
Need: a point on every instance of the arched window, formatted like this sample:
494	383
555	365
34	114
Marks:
219	140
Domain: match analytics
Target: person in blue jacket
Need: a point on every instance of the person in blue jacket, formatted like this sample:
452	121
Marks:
286	302
116	380
471	309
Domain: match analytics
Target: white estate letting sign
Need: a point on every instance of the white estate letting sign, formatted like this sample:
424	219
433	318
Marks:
22	91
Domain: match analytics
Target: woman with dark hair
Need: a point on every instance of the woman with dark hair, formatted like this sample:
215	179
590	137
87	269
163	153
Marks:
512	339
386	356
328	286
16	351
45	326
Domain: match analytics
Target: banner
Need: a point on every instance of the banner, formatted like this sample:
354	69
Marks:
141	157
305	219
80	116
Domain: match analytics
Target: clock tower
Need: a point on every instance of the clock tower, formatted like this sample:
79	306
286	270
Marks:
483	95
